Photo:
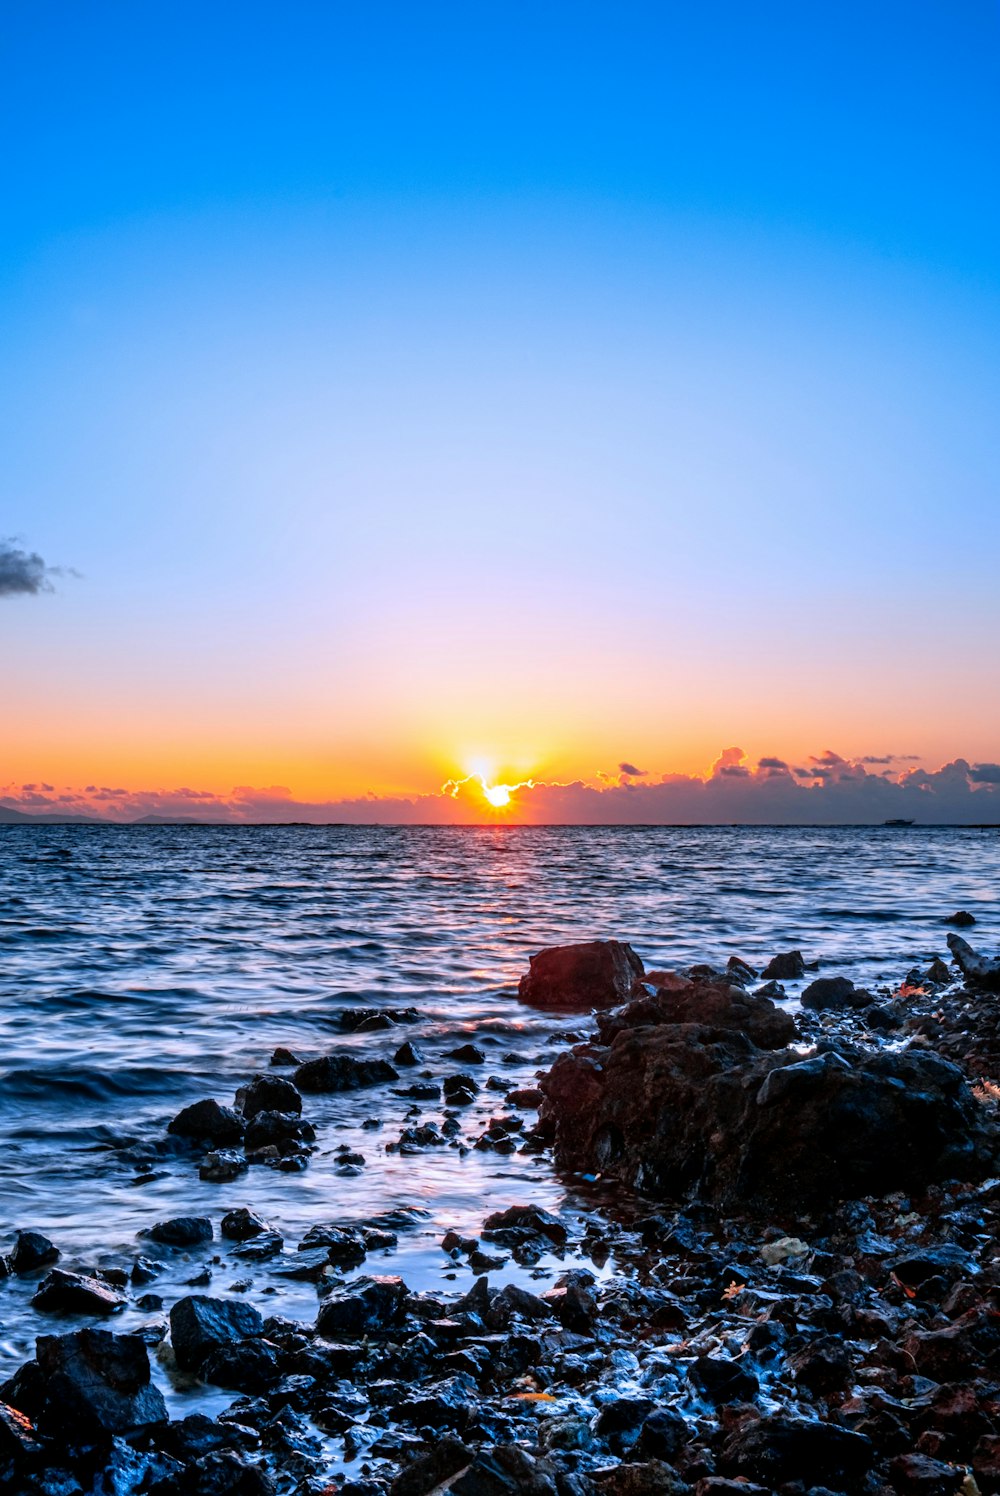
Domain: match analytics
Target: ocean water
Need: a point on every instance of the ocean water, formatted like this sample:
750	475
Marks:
142	968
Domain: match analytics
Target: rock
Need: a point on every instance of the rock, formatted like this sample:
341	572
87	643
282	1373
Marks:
525	1218
466	1054
676	1108
342	1072
284	1058
591	974
834	992
714	1003
276	1129
978	971
918	1475
31	1251
366	1306
371	1020
75	1293
460	1090
182	1231
961	919
93	1383
740	971
722	1381
200	1325
208	1122
823	1366
529	1098
773	1253
429	1472
787	967
778	1449
345	1246
249	1365
222	1166
241	1224
268	1093
663	1434
18	1439
407	1055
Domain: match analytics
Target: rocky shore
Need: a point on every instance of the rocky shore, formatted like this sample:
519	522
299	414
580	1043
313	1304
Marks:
786	1277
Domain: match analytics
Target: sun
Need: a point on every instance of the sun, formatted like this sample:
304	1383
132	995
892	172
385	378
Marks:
498	795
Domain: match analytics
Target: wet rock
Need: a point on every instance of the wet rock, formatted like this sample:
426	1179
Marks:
834	992
779	1449
429	1471
345	1246
93	1383
31	1251
961	919
182	1231
222	1166
260	1248
242	1223
18	1438
823	1366
527	1097
918	1475
591	974
200	1325
787	967
208	1122
978	971
663	1434
407	1055
372	1020
618	1423
740	971
284	1058
366	1306
714	1004
531	1218
460	1090
342	1072
242	1366
722	1381
466	1054
680	1107
275	1129
649	1479
75	1293
268	1093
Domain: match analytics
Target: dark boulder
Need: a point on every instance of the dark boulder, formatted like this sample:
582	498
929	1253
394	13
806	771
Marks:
779	1449
722	1381
834	992
961	919
242	1365
268	1093
208	1122
366	1306
199	1325
978	971
676	1108
591	974
532	1218
342	1072
182	1231
93	1383
787	967
31	1251
714	1003
268	1129
241	1224
76	1293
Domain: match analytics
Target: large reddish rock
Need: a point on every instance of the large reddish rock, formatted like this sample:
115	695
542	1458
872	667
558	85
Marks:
714	1003
576	978
679	1107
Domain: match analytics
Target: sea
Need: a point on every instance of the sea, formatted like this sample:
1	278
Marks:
143	968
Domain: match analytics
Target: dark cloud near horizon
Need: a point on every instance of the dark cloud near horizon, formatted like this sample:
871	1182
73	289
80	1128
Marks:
772	763
23	573
985	773
632	772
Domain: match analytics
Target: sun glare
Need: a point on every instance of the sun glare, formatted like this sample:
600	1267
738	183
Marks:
498	795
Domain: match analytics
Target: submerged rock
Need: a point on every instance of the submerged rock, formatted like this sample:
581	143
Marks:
182	1231
31	1251
590	974
342	1072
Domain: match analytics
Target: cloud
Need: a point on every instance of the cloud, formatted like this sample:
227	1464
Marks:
631	772
833	791
23	572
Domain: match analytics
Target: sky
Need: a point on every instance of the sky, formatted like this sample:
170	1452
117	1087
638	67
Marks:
395	394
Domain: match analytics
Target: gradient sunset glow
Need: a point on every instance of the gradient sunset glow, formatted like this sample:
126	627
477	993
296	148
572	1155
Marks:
439	430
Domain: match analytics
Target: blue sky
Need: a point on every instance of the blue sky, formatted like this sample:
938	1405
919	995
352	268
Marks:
411	384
